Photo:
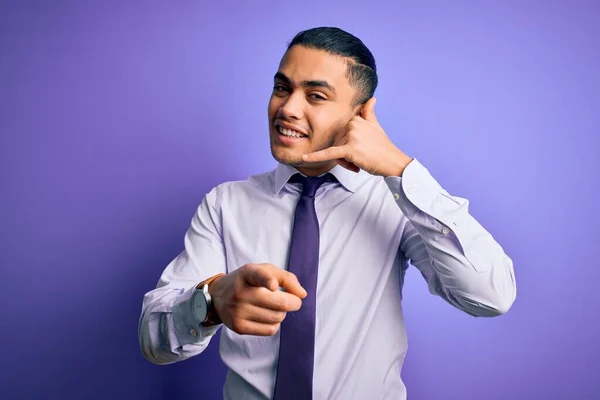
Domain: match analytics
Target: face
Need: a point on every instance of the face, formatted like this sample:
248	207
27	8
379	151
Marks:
311	103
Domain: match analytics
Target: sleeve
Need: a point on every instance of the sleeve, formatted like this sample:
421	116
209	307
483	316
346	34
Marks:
459	259
167	331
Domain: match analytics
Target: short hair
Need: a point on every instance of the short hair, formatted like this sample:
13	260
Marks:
362	71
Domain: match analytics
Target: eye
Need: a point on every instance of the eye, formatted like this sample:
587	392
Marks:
316	96
280	88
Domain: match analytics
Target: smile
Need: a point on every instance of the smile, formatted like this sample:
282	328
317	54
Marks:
289	132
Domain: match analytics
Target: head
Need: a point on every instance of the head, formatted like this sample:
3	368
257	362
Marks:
324	78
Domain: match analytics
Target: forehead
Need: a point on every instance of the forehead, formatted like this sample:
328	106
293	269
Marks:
303	64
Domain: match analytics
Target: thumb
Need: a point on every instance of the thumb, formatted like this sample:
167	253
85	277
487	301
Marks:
368	110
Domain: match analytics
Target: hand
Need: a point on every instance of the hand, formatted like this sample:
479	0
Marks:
249	301
364	145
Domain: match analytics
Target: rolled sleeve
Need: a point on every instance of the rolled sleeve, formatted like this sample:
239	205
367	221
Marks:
187	329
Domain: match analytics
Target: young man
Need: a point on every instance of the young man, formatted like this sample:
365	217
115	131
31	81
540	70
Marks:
304	265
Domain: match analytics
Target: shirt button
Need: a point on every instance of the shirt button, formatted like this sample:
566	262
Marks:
396	196
445	231
193	332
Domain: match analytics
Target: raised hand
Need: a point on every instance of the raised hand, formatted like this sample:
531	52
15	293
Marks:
364	145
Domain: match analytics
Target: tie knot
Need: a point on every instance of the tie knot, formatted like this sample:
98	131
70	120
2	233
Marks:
310	184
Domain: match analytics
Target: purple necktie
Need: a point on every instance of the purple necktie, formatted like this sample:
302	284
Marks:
297	332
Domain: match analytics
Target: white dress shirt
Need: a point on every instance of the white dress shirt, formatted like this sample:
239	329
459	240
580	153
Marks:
372	229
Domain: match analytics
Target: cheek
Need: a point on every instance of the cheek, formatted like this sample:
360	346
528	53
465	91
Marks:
273	106
324	125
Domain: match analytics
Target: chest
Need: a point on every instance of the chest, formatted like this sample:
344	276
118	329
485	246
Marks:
359	235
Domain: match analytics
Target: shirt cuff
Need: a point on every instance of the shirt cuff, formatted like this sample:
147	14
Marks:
187	328
417	192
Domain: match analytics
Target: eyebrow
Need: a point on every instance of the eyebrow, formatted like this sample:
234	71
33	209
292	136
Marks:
313	83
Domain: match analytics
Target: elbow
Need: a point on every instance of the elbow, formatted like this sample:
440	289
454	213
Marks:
496	305
504	303
496	308
494	298
504	296
488	306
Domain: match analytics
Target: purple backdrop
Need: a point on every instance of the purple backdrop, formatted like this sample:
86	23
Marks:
116	118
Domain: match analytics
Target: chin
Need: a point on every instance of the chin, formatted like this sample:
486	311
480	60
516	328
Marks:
287	156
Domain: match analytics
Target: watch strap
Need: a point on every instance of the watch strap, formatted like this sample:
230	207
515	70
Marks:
208	281
211	316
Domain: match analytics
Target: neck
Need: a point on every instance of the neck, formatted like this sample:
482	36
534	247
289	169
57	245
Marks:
315	170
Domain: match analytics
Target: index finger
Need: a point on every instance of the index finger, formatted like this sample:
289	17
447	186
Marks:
331	153
289	283
271	277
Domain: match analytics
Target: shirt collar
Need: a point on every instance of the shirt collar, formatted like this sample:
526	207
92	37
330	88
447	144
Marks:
349	180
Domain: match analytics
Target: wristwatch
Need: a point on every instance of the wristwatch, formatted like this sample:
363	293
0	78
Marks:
203	308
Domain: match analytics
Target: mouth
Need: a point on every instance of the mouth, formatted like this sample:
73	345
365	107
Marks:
289	135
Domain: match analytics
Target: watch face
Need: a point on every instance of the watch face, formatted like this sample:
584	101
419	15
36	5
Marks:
199	306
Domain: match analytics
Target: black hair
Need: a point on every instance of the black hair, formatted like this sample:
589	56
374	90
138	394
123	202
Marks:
362	71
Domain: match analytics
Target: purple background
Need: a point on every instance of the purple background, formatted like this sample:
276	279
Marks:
116	118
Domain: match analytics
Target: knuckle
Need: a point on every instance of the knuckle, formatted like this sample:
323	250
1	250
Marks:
243	326
251	270
234	314
274	317
296	306
284	303
236	325
245	268
273	329
236	294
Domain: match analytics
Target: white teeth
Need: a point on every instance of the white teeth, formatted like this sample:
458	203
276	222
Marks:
289	132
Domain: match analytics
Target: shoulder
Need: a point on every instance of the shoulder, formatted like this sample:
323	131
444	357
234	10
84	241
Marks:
241	190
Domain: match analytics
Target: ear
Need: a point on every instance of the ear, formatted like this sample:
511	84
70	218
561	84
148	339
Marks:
368	110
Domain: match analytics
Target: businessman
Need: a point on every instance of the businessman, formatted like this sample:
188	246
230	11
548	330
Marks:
302	268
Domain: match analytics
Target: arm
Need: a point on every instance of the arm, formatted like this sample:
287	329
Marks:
458	258
167	331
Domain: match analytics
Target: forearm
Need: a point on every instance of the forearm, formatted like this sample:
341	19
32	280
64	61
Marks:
167	331
481	284
460	260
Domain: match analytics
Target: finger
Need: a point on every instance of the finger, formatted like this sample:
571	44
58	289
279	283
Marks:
289	282
331	153
246	327
348	165
341	137
276	301
368	110
272	278
264	315
261	275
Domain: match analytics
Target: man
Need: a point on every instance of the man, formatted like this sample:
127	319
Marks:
304	265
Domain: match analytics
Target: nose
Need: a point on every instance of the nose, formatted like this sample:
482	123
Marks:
293	106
